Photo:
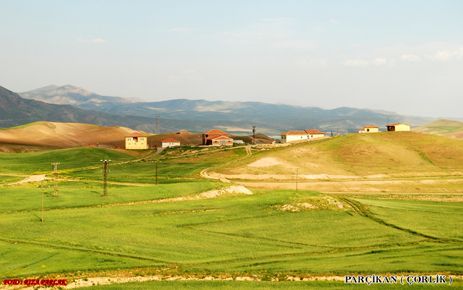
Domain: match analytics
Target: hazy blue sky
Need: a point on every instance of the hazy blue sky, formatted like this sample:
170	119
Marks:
403	56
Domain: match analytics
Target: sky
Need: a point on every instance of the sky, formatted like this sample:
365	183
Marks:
401	56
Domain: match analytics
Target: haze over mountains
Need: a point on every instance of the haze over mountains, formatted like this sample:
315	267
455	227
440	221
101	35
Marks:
79	105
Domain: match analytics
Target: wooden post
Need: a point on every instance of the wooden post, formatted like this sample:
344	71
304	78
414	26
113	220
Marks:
105	176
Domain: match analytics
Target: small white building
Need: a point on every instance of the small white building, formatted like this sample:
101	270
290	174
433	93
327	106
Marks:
398	127
314	134
293	136
169	142
369	129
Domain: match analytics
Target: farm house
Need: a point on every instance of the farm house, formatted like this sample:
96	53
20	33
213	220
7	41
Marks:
397	127
369	129
169	142
293	136
221	138
136	141
314	134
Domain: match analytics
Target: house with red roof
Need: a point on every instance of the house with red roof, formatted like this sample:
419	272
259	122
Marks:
216	137
314	134
301	135
169	142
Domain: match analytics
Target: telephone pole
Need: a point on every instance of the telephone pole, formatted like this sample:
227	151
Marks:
105	176
55	177
253	134
297	176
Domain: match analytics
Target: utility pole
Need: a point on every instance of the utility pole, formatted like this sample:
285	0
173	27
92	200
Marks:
253	134
105	176
55	177
297	177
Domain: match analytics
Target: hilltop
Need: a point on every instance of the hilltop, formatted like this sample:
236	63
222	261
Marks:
62	135
69	95
358	155
449	128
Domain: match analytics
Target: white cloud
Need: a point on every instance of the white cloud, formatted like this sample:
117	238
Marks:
449	54
410	57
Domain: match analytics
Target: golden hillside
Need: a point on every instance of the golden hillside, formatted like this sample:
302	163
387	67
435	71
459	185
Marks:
449	128
54	134
357	155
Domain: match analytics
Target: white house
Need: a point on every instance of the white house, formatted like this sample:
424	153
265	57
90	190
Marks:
169	142
369	129
314	134
293	136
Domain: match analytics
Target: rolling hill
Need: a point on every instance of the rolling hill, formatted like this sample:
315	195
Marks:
62	135
449	128
358	155
236	117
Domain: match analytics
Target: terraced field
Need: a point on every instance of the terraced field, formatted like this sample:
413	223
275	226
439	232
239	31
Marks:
189	227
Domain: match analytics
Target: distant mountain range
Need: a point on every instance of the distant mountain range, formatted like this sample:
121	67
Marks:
72	104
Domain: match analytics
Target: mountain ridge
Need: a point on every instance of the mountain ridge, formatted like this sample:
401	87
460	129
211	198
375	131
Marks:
199	115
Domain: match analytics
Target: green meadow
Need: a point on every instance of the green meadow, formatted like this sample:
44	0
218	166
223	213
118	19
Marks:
168	228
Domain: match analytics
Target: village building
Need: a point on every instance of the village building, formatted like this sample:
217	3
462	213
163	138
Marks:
398	127
221	141
217	137
369	129
169	142
314	134
293	136
136	141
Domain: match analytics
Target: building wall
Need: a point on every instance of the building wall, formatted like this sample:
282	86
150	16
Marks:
293	138
369	130
402	127
170	144
315	136
399	127
136	143
228	142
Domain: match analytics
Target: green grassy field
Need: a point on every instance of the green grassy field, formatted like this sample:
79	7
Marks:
143	228
264	285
